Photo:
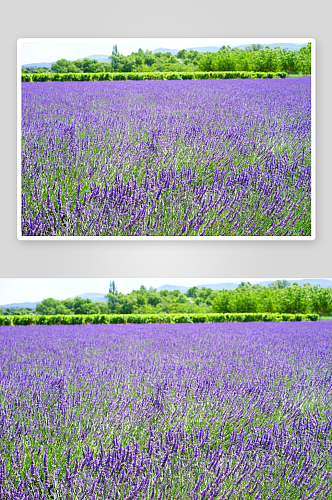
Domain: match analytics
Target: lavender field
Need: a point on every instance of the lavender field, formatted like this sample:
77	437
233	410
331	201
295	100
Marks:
194	412
167	158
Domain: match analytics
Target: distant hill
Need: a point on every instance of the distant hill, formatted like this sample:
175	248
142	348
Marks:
163	51
47	65
204	49
213	286
98	57
175	51
171	288
104	58
290	46
324	283
18	305
95	297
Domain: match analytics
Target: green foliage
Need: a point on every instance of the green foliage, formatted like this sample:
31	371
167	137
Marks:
255	58
198	75
5	320
80	66
112	288
55	319
70	306
112	301
52	306
278	299
152	318
23	320
34	69
16	311
304	60
321	301
274	285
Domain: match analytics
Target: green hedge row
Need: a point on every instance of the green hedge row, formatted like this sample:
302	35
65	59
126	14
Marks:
112	319
199	75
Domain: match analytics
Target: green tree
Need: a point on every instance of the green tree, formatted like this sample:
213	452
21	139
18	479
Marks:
274	285
321	301
127	64
115	58
193	292
252	58
206	62
149	59
304	60
289	60
115	51
92	66
102	307
244	286
113	302
51	306
245	300
60	66
182	54
294	299
153	297
141	296
223	302
254	47
17	311
84	306
223	61
127	303
279	296
112	288
267	300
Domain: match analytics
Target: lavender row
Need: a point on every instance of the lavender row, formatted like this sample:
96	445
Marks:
156	158
166	411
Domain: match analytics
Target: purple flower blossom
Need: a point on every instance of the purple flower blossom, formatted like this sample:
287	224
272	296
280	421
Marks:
144	411
166	158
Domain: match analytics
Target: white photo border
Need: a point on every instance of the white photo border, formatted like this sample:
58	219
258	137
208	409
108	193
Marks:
21	237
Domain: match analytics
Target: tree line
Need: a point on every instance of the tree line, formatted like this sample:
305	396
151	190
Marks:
255	57
279	297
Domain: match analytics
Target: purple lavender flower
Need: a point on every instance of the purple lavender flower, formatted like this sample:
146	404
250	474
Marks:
166	158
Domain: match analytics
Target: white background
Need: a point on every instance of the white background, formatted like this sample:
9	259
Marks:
81	19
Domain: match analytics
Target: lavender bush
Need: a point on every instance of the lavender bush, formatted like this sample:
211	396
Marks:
167	158
205	411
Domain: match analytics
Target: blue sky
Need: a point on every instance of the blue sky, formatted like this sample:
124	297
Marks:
53	49
37	289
